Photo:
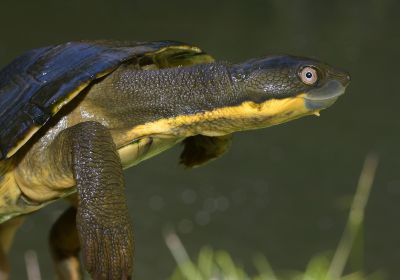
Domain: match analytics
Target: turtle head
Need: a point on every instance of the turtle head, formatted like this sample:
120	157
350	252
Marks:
281	77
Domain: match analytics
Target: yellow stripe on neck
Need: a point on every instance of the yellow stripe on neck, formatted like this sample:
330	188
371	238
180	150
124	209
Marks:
222	121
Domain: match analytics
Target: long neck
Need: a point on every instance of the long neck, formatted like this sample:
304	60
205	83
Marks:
201	99
185	90
149	95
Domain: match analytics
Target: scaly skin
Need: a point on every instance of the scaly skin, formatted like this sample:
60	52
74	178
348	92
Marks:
148	112
103	222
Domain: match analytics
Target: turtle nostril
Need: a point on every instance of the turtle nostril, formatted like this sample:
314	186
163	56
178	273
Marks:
345	79
348	79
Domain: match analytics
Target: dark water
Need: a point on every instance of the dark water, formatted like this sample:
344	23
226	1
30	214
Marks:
282	191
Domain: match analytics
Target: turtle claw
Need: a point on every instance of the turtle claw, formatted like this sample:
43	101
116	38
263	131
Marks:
107	251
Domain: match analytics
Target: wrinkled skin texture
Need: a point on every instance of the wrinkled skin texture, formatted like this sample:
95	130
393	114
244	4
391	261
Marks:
102	220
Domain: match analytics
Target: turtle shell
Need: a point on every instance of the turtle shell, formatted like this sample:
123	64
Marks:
36	85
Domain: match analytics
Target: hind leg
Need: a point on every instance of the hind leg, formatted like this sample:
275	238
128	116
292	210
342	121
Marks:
7	233
65	246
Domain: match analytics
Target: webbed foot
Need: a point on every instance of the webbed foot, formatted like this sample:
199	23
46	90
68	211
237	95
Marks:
107	250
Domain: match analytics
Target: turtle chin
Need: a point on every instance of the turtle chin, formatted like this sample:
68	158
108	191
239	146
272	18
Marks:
324	96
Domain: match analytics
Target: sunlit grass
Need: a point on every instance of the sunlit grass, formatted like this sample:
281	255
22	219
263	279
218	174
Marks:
219	265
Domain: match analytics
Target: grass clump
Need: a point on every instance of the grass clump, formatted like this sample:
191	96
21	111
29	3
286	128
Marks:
219	265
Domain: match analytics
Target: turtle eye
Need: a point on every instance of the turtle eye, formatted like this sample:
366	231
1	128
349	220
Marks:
308	75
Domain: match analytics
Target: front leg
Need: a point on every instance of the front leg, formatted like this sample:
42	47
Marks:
103	222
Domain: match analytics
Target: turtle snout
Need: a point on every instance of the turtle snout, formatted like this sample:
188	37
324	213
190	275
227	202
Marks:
342	76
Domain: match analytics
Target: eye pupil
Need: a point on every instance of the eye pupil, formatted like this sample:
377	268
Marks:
308	75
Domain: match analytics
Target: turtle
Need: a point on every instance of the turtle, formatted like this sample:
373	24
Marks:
74	115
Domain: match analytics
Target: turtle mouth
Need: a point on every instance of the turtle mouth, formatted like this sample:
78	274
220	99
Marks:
325	96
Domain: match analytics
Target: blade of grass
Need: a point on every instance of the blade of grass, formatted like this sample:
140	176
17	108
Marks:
228	267
264	268
32	265
205	262
185	265
355	219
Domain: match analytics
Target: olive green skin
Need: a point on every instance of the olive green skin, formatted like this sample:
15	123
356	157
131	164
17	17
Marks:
136	112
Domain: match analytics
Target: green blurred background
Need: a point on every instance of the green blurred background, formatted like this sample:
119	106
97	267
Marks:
283	191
